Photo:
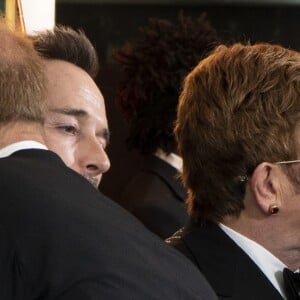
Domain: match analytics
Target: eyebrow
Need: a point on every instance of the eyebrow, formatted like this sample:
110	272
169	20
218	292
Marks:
104	133
70	112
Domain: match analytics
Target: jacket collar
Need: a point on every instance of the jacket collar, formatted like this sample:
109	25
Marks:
224	264
167	173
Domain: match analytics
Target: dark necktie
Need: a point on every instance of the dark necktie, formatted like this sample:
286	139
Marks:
291	284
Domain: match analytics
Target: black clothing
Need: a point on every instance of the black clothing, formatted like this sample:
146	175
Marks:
229	270
156	197
60	239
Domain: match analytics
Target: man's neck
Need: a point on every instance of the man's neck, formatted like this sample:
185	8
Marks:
14	132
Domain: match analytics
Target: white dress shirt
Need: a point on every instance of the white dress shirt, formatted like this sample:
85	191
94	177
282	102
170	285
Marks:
172	159
22	145
269	264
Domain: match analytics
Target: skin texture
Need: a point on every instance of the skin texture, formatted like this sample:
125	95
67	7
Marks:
76	125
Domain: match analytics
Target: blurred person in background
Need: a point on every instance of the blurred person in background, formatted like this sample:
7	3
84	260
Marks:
153	66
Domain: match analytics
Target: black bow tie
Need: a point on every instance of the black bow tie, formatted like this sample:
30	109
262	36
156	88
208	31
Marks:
291	284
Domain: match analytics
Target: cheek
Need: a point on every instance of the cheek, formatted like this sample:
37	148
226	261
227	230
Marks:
65	153
62	147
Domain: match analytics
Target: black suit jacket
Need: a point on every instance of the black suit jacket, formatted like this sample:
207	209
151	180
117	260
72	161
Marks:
61	239
229	270
156	197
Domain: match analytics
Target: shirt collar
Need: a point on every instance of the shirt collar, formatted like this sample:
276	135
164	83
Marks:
172	159
22	145
269	264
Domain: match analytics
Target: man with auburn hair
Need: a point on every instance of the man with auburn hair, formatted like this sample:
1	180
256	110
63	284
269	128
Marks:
59	237
238	134
76	126
153	66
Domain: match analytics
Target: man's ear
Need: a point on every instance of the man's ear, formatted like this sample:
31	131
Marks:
264	186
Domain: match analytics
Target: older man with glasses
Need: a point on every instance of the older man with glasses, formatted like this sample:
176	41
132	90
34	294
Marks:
238	133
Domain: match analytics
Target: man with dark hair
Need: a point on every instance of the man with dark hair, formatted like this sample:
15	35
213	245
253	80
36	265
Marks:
59	237
75	122
154	65
238	134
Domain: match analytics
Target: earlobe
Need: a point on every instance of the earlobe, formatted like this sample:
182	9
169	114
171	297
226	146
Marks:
273	209
263	186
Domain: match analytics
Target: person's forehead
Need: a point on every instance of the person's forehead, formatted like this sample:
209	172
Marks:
69	87
64	76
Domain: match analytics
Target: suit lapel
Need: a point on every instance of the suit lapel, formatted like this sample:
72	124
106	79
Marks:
230	271
167	173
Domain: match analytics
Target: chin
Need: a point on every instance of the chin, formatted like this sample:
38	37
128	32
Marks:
94	182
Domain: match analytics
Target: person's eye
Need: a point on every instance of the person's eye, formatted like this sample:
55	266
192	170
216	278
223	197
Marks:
104	144
69	129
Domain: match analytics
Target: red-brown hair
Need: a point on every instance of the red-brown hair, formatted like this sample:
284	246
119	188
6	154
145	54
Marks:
239	107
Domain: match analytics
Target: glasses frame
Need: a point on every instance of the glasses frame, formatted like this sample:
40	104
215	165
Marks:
287	162
244	178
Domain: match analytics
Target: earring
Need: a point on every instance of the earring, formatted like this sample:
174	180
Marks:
273	209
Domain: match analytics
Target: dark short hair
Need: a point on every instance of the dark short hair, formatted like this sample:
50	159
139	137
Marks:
239	108
65	43
154	65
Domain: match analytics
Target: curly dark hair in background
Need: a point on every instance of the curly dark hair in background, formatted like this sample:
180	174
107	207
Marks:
154	65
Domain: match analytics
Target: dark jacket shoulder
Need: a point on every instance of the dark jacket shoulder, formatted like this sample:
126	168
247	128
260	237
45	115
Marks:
229	270
156	197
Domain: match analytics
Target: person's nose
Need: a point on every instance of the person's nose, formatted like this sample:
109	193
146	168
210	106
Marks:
94	158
